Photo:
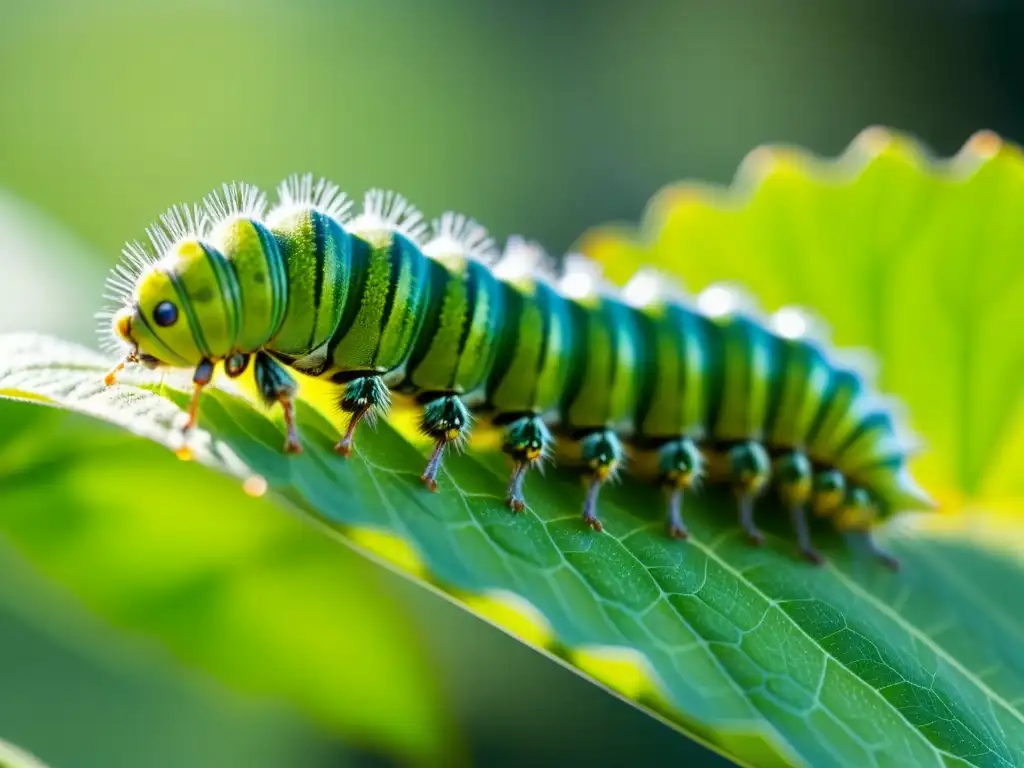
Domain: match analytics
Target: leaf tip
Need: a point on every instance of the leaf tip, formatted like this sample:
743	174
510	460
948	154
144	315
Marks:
873	140
984	144
765	161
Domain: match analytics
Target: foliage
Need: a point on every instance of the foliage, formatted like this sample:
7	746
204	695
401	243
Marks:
224	581
765	657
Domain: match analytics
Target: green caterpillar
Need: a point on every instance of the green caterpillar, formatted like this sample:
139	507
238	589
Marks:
379	301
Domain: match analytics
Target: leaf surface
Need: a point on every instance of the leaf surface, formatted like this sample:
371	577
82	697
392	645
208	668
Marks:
761	655
764	657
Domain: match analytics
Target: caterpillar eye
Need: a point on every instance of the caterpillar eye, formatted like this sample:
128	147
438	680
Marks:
165	314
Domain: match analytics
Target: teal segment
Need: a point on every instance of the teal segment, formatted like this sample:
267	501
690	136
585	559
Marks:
404	305
459	340
676	379
317	255
603	384
834	420
533	357
802	385
874	441
479	343
745	347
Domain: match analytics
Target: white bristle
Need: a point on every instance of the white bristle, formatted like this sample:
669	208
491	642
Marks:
723	299
790	323
643	288
521	258
305	191
233	200
581	277
180	222
454	234
797	323
385	213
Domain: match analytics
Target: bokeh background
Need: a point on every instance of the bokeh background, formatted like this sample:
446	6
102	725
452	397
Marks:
536	117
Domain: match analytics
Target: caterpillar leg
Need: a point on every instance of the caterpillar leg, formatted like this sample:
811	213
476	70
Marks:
235	365
363	397
798	514
111	378
888	560
794	480
276	386
855	517
203	375
750	470
602	453
445	419
681	466
827	493
527	441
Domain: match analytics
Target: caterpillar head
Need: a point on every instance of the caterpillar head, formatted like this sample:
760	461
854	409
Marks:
171	310
156	326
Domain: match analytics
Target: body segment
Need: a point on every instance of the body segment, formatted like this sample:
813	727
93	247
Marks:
259	270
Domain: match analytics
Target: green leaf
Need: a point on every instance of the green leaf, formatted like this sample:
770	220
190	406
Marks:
12	757
226	582
768	659
143	708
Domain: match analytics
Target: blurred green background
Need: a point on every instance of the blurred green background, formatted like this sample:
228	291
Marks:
535	117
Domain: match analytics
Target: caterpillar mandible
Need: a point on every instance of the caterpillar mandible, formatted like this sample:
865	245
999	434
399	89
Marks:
380	301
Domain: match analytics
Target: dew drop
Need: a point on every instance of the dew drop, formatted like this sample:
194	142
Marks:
255	485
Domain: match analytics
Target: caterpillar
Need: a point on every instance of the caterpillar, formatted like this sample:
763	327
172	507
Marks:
379	301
